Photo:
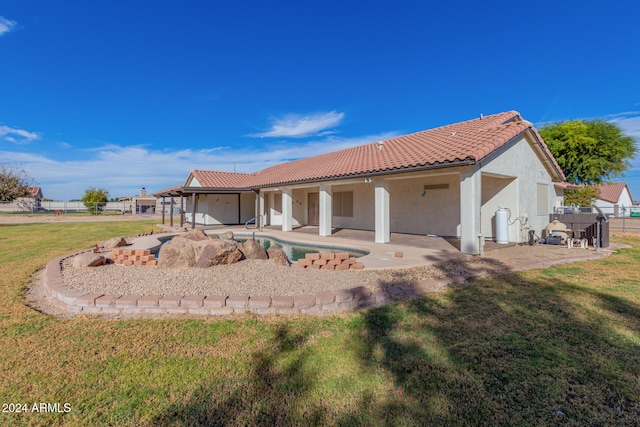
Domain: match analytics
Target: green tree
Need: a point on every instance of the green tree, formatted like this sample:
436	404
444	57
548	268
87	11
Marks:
583	196
94	198
589	152
14	182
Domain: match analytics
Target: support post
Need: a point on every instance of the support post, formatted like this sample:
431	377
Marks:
382	230
261	209
287	210
470	203
194	205
163	200
326	210
170	211
181	210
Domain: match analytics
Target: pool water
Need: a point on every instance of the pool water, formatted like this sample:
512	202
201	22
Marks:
294	251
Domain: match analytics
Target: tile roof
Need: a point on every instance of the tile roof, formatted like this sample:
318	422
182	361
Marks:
34	191
456	144
459	143
565	185
168	191
610	192
215	179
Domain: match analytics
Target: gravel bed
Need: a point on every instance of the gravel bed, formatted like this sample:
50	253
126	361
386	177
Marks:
263	277
248	277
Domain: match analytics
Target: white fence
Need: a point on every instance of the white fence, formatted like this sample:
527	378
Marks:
64	207
617	211
60	208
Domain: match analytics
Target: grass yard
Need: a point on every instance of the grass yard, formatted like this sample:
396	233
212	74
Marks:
545	347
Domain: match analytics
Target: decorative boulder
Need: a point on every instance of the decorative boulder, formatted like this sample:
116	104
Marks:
88	260
252	250
217	252
226	236
278	256
116	242
194	235
178	253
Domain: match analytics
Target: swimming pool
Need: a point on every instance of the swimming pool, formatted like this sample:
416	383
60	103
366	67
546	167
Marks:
297	250
294	250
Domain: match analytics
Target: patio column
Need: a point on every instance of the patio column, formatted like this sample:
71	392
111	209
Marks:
170	211
326	210
163	199
181	210
470	199
261	209
383	234
194	206
287	209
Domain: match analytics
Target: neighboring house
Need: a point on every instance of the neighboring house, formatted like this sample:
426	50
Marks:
447	181
613	197
139	204
31	203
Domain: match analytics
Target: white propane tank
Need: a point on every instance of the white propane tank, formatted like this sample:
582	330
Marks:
502	226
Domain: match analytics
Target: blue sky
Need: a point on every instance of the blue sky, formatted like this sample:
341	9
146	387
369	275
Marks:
123	95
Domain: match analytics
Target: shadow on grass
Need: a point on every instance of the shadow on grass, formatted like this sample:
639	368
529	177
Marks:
499	351
268	394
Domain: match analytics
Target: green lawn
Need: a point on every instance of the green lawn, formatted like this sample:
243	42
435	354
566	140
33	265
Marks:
545	347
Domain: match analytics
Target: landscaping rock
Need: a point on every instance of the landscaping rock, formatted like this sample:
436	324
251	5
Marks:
194	235
252	250
116	242
278	256
226	236
178	253
217	252
88	260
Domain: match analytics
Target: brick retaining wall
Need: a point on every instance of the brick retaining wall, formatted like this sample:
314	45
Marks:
326	302
129	257
330	261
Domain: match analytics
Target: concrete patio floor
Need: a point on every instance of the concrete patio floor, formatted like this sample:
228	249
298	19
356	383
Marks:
404	250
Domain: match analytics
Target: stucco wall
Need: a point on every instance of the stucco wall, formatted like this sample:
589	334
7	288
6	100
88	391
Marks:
363	201
215	209
497	192
416	210
521	161
247	207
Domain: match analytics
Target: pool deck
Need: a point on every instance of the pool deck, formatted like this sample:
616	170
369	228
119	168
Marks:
403	251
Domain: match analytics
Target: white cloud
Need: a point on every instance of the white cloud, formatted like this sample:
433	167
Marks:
629	122
298	126
124	170
6	25
18	136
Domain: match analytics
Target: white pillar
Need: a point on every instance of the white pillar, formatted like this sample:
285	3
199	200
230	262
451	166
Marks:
470	204
287	210
326	210
261	212
383	235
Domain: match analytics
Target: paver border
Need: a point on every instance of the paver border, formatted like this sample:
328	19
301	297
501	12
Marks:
323	303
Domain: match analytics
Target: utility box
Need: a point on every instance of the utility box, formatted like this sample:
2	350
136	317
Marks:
584	225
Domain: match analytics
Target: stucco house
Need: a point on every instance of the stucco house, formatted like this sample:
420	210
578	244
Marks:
613	197
30	203
447	181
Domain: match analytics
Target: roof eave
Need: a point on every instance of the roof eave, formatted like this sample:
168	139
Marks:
393	171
